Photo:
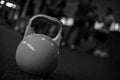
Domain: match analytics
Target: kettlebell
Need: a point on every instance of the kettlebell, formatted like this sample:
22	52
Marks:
39	53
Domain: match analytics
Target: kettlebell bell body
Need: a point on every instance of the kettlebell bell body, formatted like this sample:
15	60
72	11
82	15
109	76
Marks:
38	53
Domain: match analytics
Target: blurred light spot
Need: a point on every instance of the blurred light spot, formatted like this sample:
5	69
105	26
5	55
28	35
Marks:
67	21
24	42
2	2
8	4
63	20
98	25
52	44
70	22
43	38
115	27
11	5
14	6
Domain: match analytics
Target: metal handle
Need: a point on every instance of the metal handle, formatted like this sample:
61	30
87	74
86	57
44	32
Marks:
29	30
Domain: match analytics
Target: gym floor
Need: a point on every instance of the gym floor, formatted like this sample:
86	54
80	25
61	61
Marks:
73	65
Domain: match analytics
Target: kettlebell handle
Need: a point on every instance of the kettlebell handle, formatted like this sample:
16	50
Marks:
29	30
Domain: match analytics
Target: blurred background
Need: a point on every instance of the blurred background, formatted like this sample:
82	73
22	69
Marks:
87	23
91	27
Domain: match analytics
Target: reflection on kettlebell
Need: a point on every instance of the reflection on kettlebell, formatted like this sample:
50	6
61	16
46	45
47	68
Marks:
38	53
